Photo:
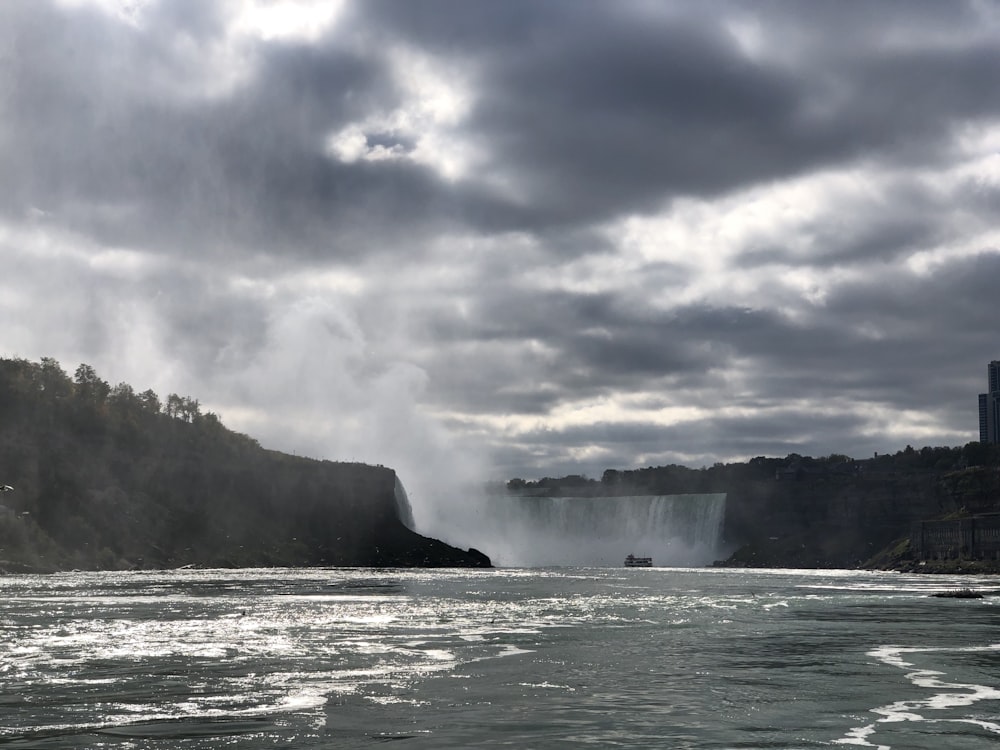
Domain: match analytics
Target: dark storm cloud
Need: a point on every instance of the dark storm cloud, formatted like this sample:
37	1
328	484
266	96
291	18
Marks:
599	109
626	117
591	113
604	343
594	343
937	328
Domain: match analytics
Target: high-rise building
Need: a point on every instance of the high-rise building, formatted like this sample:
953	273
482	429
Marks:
993	376
989	406
984	410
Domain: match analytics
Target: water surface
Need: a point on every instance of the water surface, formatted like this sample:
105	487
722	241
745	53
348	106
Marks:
542	658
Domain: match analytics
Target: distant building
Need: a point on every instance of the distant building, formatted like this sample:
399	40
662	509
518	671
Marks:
989	406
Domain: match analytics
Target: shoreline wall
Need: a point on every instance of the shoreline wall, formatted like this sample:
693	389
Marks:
975	538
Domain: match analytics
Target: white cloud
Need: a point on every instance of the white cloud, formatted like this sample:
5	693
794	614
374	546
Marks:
436	98
348	145
302	20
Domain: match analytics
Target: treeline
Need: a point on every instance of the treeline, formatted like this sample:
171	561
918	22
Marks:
725	477
109	477
44	386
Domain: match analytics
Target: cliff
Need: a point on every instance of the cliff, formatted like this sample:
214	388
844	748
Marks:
105	478
858	521
831	521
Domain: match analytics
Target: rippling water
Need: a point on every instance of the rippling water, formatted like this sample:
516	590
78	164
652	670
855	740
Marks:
641	658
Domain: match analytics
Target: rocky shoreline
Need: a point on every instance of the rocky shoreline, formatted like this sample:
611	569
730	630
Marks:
924	567
945	567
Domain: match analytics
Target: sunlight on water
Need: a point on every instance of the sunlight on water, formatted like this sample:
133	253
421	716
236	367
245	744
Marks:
542	658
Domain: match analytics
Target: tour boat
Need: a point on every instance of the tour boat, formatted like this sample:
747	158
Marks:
638	562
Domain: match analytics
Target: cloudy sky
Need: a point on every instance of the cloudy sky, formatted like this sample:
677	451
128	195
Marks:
513	238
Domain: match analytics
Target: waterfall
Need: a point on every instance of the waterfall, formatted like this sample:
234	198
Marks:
675	530
403	508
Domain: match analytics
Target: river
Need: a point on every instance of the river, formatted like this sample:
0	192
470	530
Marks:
525	658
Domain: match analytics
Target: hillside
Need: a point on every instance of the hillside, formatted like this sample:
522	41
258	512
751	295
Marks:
107	478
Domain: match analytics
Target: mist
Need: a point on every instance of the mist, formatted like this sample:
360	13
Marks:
319	385
525	531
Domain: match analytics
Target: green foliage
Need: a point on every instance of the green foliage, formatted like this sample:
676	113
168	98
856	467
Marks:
720	477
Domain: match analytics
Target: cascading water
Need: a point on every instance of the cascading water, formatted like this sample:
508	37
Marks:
403	508
675	530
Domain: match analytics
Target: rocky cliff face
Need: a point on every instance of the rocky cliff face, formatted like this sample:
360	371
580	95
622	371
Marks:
834	521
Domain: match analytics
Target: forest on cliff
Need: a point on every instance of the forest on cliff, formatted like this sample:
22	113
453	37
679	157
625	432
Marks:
106	477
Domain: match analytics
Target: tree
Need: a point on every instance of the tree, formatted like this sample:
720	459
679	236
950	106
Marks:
123	394
150	401
54	379
210	420
190	409
173	405
183	407
976	453
89	386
